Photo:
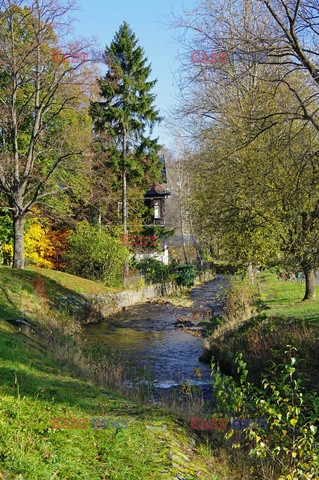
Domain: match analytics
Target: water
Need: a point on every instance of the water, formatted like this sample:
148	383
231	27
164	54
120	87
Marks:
146	335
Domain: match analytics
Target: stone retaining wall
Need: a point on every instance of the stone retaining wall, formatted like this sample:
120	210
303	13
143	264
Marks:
105	304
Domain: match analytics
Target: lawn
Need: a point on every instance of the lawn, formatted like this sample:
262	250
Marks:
78	284
285	298
33	294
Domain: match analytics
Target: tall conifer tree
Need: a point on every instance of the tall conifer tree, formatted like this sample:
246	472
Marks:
126	112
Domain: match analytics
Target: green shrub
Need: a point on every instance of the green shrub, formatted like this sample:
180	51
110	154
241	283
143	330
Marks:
185	274
226	268
288	448
240	300
241	304
97	254
155	271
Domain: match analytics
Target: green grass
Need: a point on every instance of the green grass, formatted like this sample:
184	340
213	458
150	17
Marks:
33	389
78	284
285	298
36	385
32	294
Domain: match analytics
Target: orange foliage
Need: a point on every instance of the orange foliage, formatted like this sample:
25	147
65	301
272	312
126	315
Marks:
59	240
45	247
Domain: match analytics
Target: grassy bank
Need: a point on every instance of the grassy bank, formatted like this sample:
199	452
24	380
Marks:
33	294
261	325
34	389
268	342
37	383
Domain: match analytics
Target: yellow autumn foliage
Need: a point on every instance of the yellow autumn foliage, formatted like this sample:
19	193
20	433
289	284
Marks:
37	244
7	253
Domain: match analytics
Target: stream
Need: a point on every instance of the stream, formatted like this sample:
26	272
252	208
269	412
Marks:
153	337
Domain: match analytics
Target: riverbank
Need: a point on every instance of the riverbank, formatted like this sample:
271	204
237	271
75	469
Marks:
276	317
44	379
267	343
106	304
32	294
34	388
34	301
35	295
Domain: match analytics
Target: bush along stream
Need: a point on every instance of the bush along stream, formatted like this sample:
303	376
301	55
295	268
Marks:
264	367
288	447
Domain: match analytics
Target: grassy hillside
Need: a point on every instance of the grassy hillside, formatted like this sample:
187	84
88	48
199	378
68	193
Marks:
37	294
77	284
34	387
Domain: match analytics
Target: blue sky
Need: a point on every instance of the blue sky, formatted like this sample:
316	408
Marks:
150	20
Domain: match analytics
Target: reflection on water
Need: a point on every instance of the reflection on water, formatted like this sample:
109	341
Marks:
146	335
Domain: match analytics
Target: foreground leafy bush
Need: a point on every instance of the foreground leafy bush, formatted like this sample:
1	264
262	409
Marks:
288	449
97	254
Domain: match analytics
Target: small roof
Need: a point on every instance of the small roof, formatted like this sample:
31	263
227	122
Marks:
157	189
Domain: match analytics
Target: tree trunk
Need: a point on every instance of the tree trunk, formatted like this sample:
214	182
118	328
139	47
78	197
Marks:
100	219
250	272
181	215
124	202
191	230
18	253
124	195
310	293
124	199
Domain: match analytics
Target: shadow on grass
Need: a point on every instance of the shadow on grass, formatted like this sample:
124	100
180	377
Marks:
68	392
16	285
25	363
8	310
25	368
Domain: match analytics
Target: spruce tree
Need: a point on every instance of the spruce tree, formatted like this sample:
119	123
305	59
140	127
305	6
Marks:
126	112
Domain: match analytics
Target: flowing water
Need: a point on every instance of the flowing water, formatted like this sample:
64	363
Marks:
151	336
